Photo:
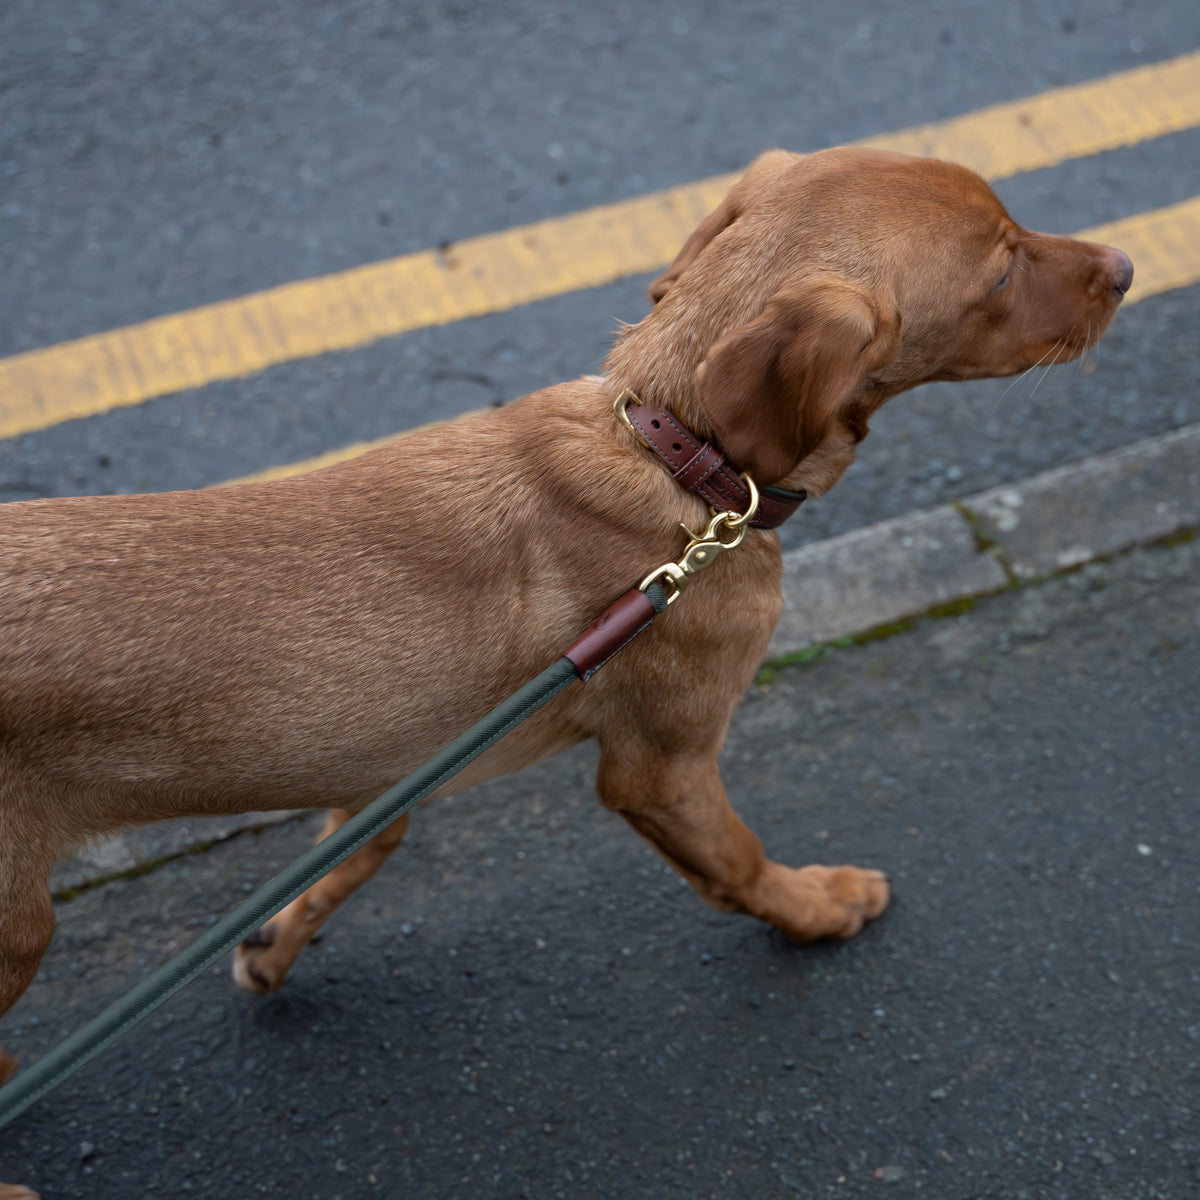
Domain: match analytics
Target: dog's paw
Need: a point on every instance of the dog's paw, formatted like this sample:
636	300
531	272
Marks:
255	967
832	902
861	891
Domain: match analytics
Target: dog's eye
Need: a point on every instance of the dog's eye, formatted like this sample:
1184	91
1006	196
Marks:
1007	277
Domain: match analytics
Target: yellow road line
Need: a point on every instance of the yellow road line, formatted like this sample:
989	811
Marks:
501	270
1164	245
1064	123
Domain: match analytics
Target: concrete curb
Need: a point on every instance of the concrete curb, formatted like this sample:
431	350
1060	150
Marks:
1011	535
875	577
135	850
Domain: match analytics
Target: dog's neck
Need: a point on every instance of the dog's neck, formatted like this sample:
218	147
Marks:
657	359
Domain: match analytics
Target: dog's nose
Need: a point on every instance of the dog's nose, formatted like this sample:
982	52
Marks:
1122	270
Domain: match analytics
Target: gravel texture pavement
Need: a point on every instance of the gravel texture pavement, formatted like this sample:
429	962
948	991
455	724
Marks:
149	165
527	1003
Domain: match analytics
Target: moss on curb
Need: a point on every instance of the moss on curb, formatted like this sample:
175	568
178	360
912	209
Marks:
984	543
66	895
958	607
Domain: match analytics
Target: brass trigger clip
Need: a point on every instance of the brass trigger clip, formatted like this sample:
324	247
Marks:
703	549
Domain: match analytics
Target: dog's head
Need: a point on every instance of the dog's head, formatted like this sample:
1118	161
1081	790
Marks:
826	283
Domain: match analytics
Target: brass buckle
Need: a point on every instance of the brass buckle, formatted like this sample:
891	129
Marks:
620	407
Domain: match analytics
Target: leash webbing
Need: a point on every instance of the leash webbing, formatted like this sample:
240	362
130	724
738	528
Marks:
141	1000
607	635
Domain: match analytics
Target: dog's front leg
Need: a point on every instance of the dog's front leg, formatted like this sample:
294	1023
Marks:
678	802
262	961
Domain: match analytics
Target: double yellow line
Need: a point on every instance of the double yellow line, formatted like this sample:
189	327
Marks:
487	274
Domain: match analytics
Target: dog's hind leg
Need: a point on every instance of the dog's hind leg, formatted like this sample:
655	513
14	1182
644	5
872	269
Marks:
262	961
678	802
26	913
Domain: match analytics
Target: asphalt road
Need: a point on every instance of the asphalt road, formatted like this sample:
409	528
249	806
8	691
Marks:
149	165
528	1003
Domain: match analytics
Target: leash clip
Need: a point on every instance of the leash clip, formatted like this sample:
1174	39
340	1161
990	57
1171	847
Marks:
703	549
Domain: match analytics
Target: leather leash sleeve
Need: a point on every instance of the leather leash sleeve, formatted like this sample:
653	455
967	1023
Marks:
613	629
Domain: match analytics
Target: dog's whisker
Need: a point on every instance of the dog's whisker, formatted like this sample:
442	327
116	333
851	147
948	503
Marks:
1062	345
1024	374
1087	349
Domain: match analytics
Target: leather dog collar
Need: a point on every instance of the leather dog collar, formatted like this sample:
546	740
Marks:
700	467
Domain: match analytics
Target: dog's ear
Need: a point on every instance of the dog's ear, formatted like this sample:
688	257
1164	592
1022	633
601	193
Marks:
716	222
772	388
761	172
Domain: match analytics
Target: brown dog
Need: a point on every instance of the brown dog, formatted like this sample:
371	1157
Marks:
309	641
